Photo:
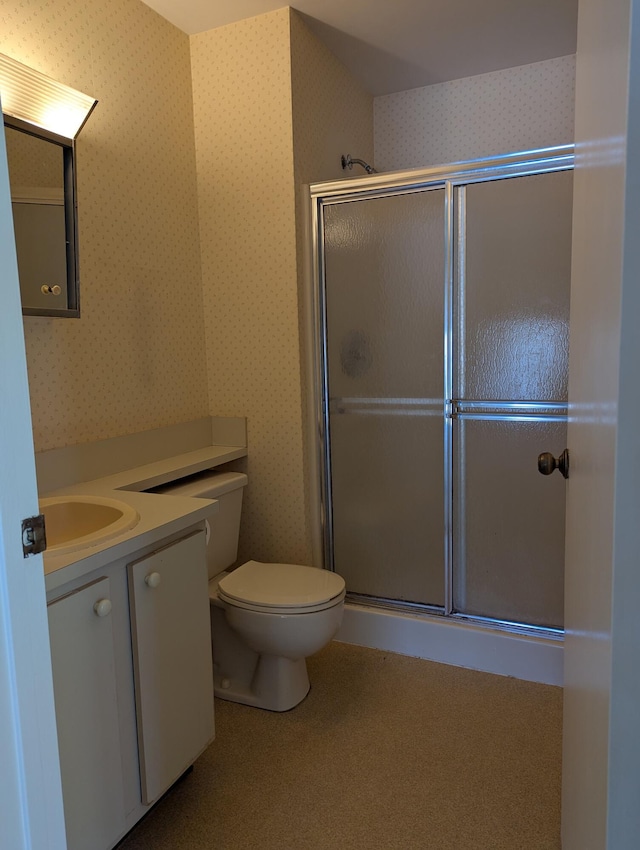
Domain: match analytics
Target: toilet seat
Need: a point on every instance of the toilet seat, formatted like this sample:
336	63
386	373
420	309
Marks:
281	588
281	611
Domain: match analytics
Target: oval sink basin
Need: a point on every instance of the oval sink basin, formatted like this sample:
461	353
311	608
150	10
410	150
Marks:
74	522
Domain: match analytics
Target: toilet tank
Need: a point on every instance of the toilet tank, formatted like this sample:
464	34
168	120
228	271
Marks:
227	488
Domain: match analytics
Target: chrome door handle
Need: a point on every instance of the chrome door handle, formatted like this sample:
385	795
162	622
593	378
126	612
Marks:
547	463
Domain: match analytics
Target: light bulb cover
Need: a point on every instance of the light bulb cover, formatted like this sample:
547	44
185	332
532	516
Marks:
36	99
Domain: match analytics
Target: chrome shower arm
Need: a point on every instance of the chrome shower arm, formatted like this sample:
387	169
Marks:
348	162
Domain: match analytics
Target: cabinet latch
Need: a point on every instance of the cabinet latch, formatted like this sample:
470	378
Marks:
34	535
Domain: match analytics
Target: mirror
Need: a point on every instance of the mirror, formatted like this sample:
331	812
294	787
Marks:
42	183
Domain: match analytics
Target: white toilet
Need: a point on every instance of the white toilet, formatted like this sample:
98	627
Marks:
265	618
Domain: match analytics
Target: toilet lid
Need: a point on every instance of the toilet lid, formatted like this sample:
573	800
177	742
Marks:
281	585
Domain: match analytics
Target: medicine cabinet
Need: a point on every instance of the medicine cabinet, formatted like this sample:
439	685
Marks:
42	119
43	202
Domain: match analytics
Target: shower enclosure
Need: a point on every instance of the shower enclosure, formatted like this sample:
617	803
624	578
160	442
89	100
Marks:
441	321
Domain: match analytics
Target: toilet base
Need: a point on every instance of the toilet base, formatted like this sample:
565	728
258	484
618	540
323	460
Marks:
277	684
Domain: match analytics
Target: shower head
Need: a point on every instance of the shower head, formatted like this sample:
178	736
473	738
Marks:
348	161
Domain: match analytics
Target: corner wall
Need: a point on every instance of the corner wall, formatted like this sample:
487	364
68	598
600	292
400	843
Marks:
135	359
332	113
244	154
273	109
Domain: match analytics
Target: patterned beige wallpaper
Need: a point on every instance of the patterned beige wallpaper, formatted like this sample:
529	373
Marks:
273	108
135	359
244	152
332	113
518	109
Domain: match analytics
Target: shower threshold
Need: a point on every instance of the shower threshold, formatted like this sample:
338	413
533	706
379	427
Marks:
531	653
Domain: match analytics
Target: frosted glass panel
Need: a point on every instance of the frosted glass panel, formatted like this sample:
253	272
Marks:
384	269
514	321
384	279
388	507
509	521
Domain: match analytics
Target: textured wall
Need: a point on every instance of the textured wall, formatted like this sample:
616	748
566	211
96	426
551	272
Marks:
332	113
135	360
517	109
273	109
244	151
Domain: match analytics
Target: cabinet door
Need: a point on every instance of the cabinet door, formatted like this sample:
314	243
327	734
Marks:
84	681
171	631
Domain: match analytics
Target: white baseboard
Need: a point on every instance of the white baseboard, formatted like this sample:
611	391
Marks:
534	659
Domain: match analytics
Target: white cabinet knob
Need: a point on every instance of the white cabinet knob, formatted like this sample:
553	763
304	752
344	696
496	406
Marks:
102	607
152	580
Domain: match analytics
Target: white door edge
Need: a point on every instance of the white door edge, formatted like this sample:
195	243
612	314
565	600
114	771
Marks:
601	740
31	809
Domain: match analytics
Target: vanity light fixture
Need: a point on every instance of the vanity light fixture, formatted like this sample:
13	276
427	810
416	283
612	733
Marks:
33	99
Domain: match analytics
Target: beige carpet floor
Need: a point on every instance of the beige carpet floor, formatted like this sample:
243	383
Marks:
385	752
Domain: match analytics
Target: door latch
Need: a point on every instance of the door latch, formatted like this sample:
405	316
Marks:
34	536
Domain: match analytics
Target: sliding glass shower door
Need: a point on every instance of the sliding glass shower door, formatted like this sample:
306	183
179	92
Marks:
511	346
442	346
384	267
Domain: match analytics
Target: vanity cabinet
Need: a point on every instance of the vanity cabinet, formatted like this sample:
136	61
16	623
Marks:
133	685
84	680
171	630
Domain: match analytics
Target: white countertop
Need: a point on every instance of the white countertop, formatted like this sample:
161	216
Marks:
160	515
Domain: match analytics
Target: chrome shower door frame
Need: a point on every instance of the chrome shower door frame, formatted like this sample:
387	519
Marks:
453	179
